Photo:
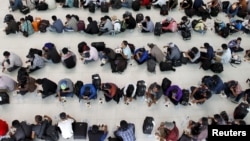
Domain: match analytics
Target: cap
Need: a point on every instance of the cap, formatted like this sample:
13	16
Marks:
171	44
63	85
169	18
218	20
169	125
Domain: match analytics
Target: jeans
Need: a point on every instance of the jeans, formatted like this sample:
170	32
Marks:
10	69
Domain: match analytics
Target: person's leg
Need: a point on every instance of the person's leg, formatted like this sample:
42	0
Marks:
12	68
238	98
34	69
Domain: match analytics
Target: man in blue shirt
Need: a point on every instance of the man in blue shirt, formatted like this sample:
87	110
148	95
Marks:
209	54
16	4
234	45
126	131
88	91
57	25
147	25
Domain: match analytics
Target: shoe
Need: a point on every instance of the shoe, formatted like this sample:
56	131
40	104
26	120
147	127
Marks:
102	64
234	101
223	95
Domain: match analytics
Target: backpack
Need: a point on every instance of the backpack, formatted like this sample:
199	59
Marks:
132	47
4	98
148	125
165	84
235	59
77	88
136	5
96	81
43	25
117	4
52	133
166	66
224	32
8	18
130	90
217	67
42	6
140	88
151	64
80	25
164	10
185	97
139	17
205	65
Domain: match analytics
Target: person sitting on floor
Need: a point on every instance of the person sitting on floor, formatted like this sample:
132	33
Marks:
28	85
169	25
48	87
88	53
65	88
88	92
22	130
57	25
105	25
12	61
92	27
200	94
36	62
234	45
7	84
223	56
126	131
233	90
97	133
15	5
173	53
153	93
110	90
65	125
70	24
174	94
50	53
129	93
68	58
147	25
199	130
193	55
168	131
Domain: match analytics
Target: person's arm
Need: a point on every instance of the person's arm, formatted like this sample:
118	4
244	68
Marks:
93	92
68	116
123	55
194	91
104	136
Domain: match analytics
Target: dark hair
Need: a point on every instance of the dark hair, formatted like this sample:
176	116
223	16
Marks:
148	18
68	16
87	91
90	19
224	46
206	45
106	86
195	50
16	123
218	117
125	42
124	125
38	118
95	129
65	50
39	81
184	18
239	38
54	18
63	115
6	53
204	121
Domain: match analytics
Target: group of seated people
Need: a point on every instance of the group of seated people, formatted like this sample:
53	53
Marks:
113	25
65	126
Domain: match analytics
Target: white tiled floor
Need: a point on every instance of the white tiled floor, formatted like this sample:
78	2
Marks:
26	107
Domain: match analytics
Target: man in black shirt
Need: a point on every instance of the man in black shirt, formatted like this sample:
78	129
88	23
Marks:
49	87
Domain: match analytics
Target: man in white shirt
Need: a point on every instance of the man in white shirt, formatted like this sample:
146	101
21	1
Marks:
65	125
223	57
7	83
11	61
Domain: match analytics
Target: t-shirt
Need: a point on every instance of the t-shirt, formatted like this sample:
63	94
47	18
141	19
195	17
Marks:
66	128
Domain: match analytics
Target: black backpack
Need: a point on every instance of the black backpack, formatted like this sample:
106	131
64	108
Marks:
139	17
148	125
76	3
8	18
151	64
140	88
96	81
217	67
164	10
43	25
52	133
185	97
136	5
205	65
4	98
165	84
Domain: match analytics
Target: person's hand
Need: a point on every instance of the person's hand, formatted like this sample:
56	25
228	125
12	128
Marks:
3	69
